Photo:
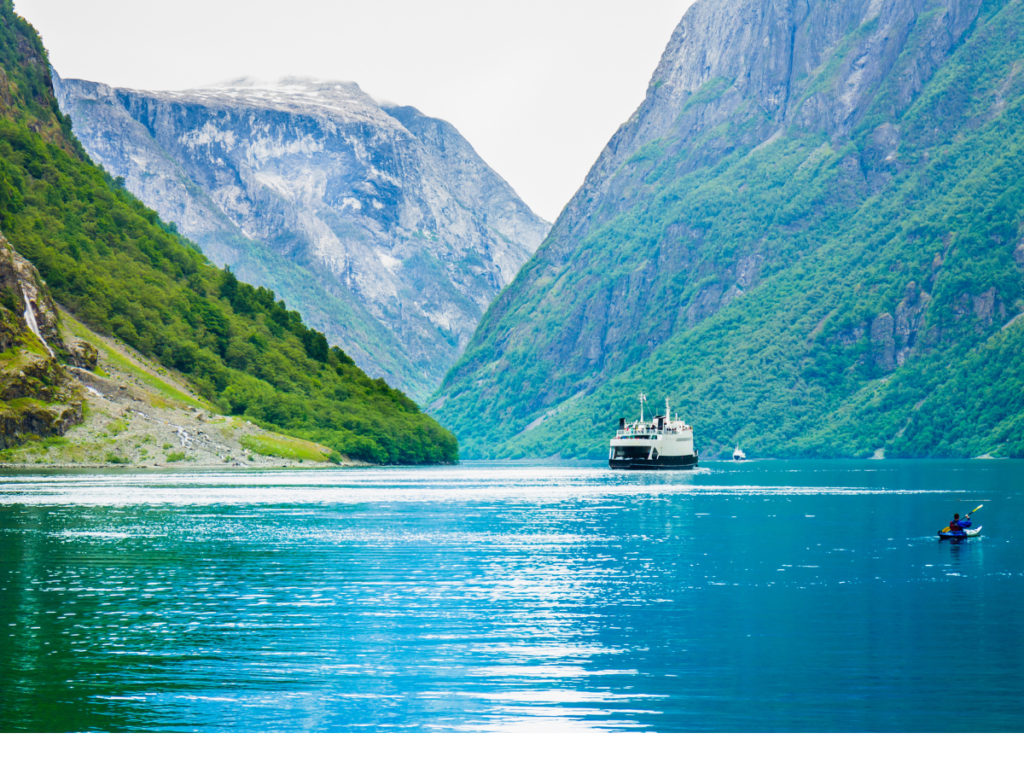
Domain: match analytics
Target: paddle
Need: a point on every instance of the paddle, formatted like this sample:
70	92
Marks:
946	529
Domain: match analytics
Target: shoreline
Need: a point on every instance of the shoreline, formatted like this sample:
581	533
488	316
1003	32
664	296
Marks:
186	466
139	415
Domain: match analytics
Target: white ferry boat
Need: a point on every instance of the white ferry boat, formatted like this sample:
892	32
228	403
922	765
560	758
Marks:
662	443
738	455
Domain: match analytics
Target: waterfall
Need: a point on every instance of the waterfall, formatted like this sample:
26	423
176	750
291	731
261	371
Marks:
30	318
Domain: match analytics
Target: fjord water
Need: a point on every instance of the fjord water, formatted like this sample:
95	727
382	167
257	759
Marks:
765	596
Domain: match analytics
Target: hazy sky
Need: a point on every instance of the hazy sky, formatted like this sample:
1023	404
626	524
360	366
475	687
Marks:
537	86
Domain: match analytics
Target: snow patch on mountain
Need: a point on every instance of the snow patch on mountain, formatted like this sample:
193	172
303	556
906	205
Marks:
380	224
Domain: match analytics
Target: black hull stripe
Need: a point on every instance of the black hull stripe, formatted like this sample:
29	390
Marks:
662	462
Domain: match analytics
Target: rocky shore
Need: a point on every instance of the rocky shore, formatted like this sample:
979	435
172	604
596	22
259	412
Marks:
135	414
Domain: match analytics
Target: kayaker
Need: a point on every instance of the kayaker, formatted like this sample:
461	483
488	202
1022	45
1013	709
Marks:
956	525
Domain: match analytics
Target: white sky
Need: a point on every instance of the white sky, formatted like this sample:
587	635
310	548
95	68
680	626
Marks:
536	86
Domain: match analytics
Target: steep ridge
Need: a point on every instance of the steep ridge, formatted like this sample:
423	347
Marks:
124	272
808	235
382	226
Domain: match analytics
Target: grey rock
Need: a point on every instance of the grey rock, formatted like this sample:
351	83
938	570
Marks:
984	305
909	319
382	226
882	343
708	300
82	354
748	269
43	420
849	336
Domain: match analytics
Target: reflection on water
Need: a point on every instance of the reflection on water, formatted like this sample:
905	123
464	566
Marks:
762	596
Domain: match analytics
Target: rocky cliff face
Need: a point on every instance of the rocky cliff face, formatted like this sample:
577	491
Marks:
38	396
788	219
764	68
381	225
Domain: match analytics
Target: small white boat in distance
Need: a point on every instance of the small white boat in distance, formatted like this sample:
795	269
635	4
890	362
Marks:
661	443
738	455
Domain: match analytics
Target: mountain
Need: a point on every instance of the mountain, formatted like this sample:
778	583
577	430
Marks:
381	225
809	235
122	271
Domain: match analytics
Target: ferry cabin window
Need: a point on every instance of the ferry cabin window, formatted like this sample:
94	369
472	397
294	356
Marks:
631	451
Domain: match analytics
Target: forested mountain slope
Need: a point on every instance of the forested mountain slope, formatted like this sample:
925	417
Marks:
809	235
120	269
381	225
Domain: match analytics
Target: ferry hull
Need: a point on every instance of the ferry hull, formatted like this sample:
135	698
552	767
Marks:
662	462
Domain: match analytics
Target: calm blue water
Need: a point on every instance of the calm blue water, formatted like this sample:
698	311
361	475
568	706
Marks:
768	596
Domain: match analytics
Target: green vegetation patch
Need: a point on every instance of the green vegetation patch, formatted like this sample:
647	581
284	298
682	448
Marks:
282	447
710	91
117	427
174	397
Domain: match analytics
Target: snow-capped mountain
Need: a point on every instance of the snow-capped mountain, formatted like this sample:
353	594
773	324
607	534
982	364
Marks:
380	224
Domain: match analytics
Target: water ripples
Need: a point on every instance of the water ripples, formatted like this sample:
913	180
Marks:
500	598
